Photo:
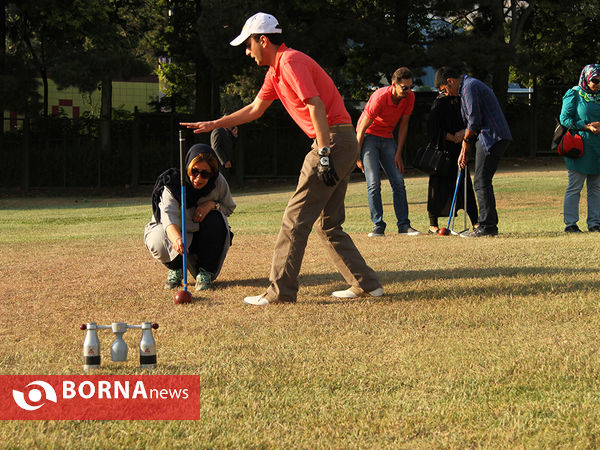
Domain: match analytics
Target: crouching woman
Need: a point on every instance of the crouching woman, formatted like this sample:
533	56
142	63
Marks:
208	204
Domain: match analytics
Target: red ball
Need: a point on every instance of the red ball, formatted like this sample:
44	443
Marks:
182	297
443	231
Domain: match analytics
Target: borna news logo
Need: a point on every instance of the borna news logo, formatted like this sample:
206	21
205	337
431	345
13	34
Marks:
98	397
34	395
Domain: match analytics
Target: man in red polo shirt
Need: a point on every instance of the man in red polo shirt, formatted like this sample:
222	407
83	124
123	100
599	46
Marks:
386	107
311	98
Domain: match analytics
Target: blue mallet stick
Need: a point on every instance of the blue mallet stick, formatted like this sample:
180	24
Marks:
182	179
454	197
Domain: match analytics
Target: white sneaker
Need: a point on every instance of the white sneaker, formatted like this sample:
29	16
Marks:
354	292
256	300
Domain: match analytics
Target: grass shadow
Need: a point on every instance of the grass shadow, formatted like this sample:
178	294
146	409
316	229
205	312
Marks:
461	275
464	288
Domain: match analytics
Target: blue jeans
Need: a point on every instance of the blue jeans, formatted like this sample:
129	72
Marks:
377	153
572	194
485	168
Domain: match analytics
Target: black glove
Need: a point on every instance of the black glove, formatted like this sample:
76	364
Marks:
325	170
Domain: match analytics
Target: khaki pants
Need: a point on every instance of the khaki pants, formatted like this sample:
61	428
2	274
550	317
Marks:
316	204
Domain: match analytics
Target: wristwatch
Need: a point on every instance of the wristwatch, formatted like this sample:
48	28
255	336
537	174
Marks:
324	151
470	140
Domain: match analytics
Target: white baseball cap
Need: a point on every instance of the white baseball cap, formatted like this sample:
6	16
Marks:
259	23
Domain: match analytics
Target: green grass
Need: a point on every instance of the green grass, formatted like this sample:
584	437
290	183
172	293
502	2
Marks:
489	342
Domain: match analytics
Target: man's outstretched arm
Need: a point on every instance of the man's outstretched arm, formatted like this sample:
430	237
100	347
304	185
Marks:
244	115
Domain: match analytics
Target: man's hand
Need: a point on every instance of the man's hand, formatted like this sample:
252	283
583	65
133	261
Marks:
468	142
199	127
463	158
360	165
244	115
325	170
399	163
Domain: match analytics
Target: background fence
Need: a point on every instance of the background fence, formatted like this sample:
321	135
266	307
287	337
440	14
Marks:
62	152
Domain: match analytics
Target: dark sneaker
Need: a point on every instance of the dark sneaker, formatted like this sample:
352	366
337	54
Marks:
377	232
203	280
595	229
478	232
410	231
572	229
174	279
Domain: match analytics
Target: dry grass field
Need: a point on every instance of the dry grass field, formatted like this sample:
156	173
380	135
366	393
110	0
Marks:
485	342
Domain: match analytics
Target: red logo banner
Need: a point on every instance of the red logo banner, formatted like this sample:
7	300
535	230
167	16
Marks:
99	397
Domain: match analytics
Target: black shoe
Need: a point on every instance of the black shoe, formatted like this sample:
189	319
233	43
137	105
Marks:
594	229
410	231
377	232
572	229
478	232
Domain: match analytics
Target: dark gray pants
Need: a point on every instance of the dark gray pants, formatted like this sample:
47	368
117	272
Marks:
485	168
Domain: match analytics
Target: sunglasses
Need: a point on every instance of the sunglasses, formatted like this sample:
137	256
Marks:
206	174
404	88
249	42
595	80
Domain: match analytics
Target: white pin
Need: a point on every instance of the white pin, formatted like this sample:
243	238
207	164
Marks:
119	349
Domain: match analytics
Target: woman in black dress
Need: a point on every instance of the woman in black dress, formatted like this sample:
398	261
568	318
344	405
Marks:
445	124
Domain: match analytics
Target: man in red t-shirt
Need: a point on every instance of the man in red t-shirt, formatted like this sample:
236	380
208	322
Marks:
386	107
311	98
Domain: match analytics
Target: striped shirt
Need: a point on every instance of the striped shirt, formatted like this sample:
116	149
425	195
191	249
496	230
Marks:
481	112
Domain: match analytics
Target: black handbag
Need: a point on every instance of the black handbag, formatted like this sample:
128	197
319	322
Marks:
433	159
559	131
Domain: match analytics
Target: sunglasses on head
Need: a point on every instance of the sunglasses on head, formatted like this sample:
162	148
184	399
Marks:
206	174
595	80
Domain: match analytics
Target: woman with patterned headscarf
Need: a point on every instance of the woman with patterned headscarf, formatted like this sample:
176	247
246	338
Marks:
208	203
581	114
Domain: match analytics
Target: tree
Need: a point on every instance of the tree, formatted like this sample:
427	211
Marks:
33	37
18	84
194	52
482	37
200	61
379	37
101	42
557	43
2	65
